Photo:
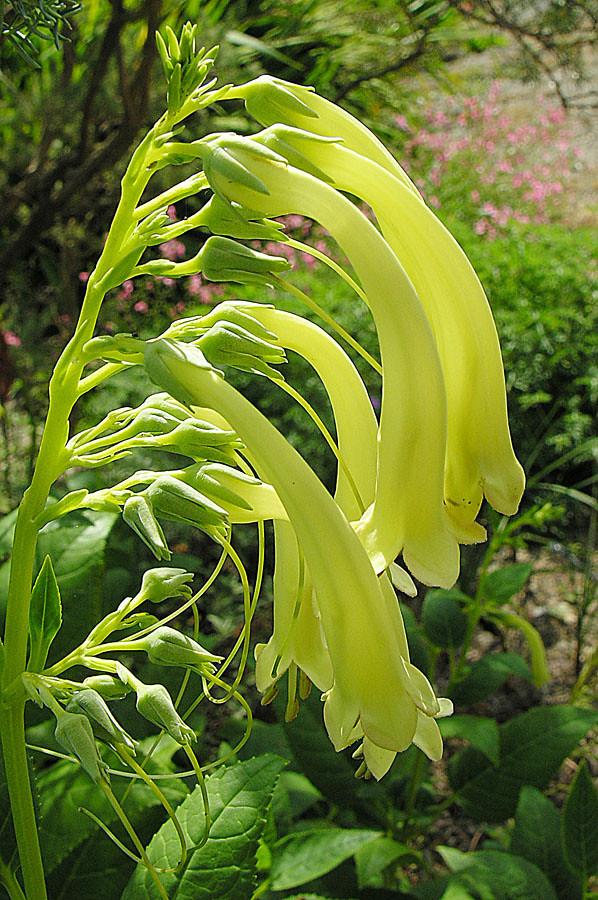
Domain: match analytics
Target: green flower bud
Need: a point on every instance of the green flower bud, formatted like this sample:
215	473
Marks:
234	221
179	502
138	513
205	478
223	166
226	260
155	704
271	100
75	734
167	647
164	584
108	687
227	344
104	725
200	440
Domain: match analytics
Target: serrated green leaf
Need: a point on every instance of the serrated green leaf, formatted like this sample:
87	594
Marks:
482	733
372	860
302	857
532	747
45	616
580	824
225	866
498	875
502	584
537	838
487	675
444	622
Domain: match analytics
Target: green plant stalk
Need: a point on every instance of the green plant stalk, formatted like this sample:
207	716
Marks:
51	462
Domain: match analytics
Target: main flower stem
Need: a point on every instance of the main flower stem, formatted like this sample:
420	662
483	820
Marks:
51	462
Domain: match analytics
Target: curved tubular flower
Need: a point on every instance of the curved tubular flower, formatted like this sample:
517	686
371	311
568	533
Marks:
480	458
372	688
271	100
297	636
408	512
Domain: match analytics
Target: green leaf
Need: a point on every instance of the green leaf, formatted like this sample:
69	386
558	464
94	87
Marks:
45	616
373	858
580	824
498	875
487	675
532	747
537	838
502	584
445	623
77	546
302	857
482	733
225	866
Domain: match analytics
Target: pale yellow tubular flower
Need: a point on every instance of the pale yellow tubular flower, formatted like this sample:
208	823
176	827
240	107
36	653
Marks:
355	421
480	458
408	513
297	634
271	100
368	690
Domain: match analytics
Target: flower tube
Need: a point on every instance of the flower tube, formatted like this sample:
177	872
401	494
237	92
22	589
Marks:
408	512
480	458
373	686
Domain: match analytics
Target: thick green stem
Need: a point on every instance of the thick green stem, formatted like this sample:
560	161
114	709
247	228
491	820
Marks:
51	462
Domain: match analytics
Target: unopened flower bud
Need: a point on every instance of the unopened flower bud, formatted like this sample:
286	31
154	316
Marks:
165	583
179	502
103	723
138	513
167	647
226	260
108	687
155	704
75	734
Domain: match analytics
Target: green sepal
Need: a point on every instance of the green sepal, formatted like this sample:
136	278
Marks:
173	94
155	704
163	54
75	734
138	514
45	616
177	501
270	99
232	220
287	141
157	355
227	344
202	478
105	727
167	647
226	260
165	583
107	686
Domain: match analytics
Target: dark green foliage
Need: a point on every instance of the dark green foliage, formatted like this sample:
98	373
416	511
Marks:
580	824
537	838
45	616
532	747
442	618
